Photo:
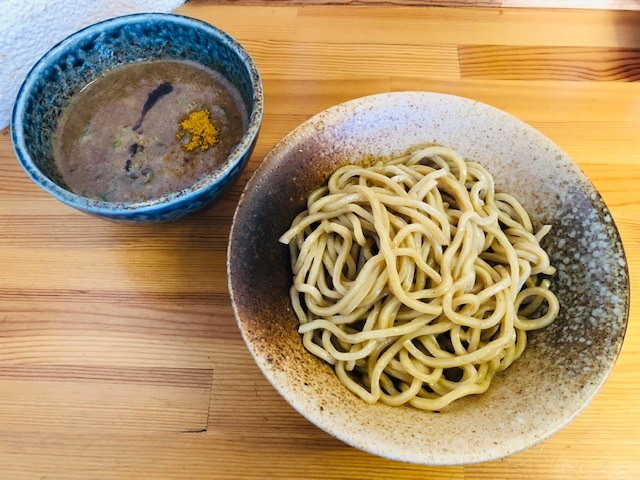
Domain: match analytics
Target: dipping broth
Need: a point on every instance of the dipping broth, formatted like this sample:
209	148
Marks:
147	129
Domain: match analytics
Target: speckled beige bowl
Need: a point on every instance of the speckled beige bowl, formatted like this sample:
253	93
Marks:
564	365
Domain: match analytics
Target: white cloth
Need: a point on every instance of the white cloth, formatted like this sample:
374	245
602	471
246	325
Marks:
29	28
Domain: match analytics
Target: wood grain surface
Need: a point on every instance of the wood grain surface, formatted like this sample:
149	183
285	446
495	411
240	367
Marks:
581	4
119	353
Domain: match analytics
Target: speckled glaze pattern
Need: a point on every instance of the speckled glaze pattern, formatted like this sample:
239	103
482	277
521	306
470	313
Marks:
88	54
563	366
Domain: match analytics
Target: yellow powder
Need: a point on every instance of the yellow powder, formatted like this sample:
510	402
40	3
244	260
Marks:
202	133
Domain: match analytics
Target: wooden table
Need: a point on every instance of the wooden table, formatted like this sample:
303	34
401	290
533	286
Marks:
119	353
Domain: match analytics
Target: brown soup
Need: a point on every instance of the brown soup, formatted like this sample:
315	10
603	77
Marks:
147	129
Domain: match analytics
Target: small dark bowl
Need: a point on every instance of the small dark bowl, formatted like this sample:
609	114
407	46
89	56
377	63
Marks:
88	54
563	365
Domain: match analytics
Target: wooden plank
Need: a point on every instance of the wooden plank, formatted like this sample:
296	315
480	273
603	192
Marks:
114	349
266	22
593	4
123	400
499	62
471	26
347	61
603	105
579	4
200	455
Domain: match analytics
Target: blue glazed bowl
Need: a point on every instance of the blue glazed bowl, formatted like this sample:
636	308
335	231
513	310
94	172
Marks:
87	55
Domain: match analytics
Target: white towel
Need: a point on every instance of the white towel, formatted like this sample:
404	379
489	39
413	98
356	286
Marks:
28	29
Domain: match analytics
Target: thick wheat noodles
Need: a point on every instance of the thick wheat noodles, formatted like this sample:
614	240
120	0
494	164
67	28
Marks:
416	279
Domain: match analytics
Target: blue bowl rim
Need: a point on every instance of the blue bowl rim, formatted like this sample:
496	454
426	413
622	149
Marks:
105	208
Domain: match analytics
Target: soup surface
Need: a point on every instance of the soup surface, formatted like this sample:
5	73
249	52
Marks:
147	129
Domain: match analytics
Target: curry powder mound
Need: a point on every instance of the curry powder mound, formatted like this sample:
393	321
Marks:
202	133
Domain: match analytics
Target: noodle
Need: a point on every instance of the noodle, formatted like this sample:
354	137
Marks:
416	280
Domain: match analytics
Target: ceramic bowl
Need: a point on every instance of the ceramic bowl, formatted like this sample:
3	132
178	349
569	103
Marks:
86	55
563	365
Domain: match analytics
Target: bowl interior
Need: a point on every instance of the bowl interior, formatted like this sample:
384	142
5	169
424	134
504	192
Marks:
563	366
88	54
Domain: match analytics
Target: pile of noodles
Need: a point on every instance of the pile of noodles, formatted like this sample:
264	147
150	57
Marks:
416	280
